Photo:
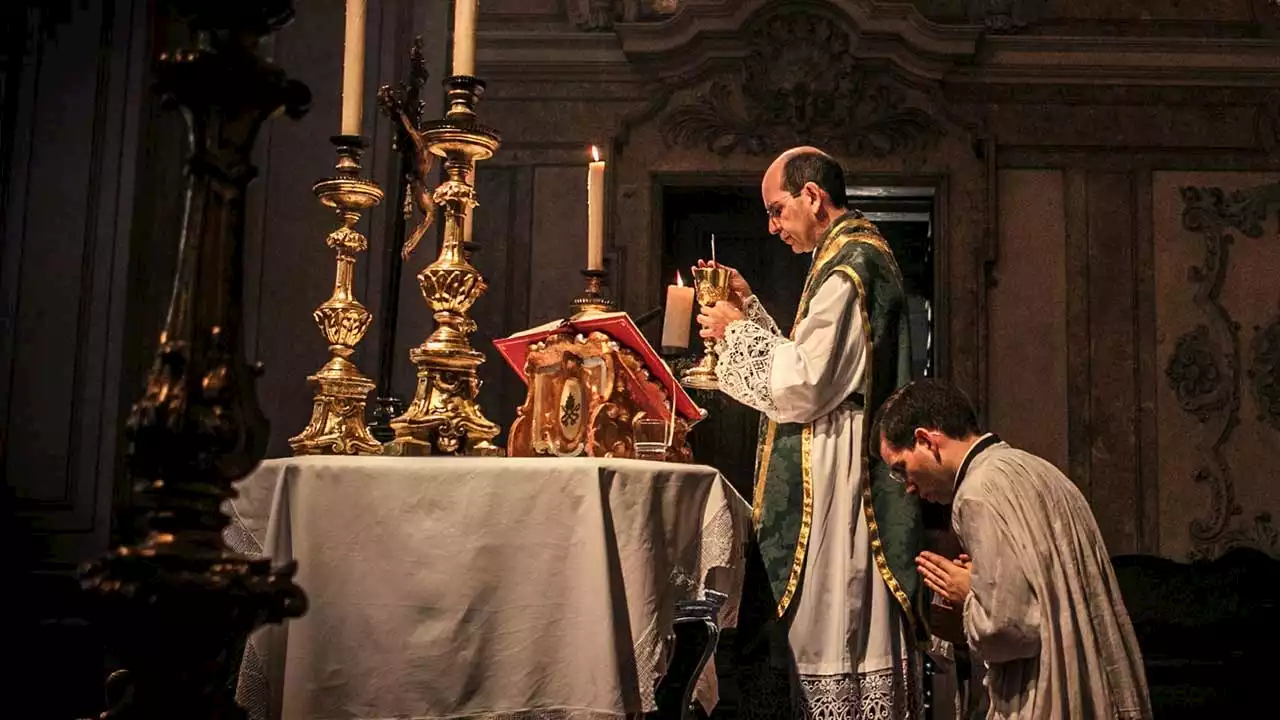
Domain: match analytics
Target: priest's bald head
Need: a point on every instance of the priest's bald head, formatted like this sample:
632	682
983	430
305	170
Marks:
803	192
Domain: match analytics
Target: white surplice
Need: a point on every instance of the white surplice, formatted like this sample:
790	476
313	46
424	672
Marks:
1045	610
846	633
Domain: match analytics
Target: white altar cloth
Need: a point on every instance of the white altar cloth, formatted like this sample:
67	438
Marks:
481	588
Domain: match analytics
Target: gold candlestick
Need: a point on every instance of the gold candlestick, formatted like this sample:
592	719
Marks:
337	424
176	607
444	417
711	285
592	299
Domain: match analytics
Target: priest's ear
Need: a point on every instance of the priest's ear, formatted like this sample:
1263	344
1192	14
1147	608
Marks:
925	438
812	195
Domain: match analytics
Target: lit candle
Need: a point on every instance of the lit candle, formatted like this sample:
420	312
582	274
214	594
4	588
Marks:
353	69
713	248
595	212
464	37
675	323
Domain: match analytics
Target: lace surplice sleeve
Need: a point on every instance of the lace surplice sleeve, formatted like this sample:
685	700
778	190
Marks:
757	314
805	378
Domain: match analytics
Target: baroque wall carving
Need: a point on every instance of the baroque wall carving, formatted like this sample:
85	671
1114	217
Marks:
1269	123
801	83
1204	369
1265	372
1196	376
600	15
1004	16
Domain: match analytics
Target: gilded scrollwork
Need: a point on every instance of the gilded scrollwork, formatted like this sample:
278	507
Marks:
1204	369
799	84
584	394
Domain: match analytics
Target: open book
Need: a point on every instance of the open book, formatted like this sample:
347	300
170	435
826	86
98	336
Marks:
620	327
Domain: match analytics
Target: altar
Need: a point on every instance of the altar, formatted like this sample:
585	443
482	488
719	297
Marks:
482	587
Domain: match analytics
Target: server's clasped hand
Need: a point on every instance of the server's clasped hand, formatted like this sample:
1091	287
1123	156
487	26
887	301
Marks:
948	578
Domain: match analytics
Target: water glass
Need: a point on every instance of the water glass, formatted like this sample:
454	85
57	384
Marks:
649	435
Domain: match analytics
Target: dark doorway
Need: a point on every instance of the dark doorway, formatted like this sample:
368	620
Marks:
726	440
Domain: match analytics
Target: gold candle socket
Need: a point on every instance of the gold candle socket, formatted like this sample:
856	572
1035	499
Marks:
592	298
444	417
710	285
337	424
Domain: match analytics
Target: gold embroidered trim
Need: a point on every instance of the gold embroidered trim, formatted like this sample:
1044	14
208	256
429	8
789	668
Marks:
867	233
868	508
806	519
762	472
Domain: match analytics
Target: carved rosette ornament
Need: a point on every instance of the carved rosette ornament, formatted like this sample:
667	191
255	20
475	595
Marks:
1265	372
1204	369
1195	376
801	84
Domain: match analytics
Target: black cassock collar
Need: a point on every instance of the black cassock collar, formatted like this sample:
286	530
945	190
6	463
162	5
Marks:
984	443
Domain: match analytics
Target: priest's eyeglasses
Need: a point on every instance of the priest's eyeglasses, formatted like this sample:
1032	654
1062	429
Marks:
774	209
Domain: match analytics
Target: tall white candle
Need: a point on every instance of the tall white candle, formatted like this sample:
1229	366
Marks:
353	69
595	212
464	37
679	311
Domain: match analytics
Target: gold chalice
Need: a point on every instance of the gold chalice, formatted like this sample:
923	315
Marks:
710	286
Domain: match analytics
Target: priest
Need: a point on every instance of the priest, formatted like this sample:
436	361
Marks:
836	536
1039	598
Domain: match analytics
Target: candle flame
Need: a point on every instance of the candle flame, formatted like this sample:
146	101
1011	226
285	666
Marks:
595	153
679	279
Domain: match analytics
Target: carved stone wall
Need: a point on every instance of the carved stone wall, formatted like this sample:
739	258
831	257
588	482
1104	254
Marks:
1217	308
1035	140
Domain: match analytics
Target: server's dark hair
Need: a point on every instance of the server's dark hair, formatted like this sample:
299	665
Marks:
818	168
927	403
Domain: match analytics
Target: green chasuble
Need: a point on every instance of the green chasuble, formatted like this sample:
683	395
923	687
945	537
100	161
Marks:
783	505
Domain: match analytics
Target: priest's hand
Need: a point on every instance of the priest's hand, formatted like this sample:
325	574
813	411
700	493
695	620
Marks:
948	578
715	319
739	290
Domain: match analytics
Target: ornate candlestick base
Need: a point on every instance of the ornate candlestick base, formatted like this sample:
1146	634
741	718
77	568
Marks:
592	299
337	424
444	417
